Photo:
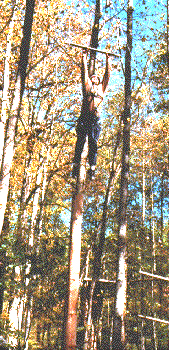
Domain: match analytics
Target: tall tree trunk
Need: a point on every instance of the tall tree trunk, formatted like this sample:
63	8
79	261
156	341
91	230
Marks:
142	235
16	307
19	314
93	307
168	34
5	97
28	281
154	336
118	339
94	42
3	257
71	301
161	207
8	150
74	258
11	123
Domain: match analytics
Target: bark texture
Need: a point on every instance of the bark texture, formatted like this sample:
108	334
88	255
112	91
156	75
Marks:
8	149
118	337
71	300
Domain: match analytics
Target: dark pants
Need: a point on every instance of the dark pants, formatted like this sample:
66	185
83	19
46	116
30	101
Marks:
87	127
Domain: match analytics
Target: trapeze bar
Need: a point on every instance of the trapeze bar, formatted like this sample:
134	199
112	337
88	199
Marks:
154	319
93	49
100	280
154	276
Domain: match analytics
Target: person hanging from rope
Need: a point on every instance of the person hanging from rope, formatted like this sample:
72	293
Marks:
88	123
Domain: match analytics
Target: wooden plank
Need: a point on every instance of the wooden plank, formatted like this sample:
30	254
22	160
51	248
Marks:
154	276
93	49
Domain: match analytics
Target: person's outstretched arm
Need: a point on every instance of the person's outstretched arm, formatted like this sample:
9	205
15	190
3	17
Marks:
106	74
84	72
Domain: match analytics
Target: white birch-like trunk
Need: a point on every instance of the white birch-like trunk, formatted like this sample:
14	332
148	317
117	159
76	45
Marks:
20	311
17	310
8	149
44	183
15	316
28	268
5	97
8	152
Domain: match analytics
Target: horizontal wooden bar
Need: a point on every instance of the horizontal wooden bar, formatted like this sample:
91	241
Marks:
153	319
93	49
100	280
154	276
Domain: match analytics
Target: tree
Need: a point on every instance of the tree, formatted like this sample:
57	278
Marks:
15	108
71	301
40	188
118	337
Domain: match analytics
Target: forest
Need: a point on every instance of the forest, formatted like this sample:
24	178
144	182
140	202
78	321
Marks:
84	263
